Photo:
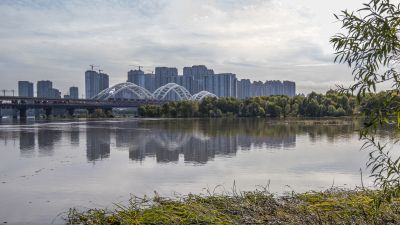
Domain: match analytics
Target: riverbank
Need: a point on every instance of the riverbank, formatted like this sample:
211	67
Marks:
334	206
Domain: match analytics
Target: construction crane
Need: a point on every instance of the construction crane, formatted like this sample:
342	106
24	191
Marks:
8	91
139	67
93	66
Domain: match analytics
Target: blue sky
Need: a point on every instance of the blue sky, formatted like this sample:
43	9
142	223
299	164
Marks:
256	39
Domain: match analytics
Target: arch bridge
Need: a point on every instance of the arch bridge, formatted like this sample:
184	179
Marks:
119	89
132	91
162	92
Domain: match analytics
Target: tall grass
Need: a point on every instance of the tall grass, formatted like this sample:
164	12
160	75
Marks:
334	206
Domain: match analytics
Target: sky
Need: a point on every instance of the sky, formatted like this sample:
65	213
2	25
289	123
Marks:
255	39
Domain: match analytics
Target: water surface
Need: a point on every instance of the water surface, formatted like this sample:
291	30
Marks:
48	167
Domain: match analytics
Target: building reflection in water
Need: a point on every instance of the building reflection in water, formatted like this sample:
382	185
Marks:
98	142
8	137
201	140
27	143
47	138
74	136
196	141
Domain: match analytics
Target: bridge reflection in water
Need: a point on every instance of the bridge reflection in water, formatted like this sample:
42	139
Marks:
197	141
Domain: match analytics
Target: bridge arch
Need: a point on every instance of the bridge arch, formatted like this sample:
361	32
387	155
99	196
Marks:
132	88
201	95
162	92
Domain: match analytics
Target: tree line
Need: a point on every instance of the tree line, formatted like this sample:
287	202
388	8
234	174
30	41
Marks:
332	104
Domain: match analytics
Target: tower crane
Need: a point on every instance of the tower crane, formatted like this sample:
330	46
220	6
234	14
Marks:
8	91
92	66
139	67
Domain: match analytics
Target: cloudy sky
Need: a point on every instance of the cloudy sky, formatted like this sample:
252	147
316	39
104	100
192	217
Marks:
256	39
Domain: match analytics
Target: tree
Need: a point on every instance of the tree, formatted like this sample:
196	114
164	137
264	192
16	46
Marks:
370	46
255	110
312	108
187	108
149	111
331	110
273	110
207	106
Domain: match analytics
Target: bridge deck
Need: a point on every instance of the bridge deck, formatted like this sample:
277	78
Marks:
26	102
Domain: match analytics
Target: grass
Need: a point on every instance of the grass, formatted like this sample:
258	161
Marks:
334	206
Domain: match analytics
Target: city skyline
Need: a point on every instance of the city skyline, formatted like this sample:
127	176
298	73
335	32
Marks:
258	40
195	79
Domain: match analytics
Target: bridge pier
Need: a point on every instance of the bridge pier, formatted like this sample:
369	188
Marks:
48	112
14	113
90	111
22	113
37	113
108	112
71	112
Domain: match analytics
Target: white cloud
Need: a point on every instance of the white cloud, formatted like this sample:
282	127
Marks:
255	39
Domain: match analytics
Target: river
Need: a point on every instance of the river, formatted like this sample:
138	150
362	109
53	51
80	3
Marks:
46	167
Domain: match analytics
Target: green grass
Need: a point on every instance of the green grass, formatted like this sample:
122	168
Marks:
258	207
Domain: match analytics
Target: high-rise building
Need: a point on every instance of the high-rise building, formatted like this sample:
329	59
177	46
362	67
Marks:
244	88
289	88
164	75
149	82
25	89
258	88
137	77
55	93
73	93
44	89
269	88
274	87
91	83
197	71
195	76
187	82
225	85
209	83
104	81
95	83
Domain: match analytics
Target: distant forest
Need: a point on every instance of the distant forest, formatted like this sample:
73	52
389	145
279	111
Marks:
330	104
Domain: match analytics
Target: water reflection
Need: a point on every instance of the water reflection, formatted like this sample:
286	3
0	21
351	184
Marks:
97	143
27	143
86	157
8	137
202	140
198	141
74	136
47	139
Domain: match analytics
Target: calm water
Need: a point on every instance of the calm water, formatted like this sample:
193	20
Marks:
48	167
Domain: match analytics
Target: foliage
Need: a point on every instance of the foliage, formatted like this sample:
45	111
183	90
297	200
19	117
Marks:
150	110
385	169
100	113
370	46
314	105
256	207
